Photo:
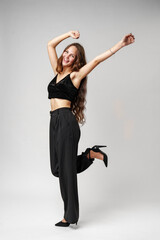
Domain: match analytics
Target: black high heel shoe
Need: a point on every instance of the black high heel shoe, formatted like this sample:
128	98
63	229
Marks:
63	224
95	148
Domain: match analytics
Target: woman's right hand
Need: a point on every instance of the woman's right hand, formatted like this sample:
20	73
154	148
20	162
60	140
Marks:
74	34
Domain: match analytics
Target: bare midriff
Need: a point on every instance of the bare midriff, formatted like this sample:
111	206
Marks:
58	103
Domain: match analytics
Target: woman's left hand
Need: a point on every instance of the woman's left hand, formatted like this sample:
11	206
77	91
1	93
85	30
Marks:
127	39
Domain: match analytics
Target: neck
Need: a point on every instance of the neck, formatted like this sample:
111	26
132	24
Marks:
66	70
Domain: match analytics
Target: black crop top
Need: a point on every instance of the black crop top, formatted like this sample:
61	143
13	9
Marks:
63	89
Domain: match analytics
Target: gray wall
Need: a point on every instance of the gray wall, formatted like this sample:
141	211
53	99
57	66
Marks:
122	107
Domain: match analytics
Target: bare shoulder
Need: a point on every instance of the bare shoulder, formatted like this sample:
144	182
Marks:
73	75
75	80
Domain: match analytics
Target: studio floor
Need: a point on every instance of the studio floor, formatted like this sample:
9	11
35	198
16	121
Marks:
31	218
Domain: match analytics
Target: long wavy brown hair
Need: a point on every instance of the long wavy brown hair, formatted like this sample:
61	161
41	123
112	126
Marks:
78	105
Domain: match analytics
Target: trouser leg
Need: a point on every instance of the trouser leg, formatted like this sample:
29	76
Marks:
68	135
68	179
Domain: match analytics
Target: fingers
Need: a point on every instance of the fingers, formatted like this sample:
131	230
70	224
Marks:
75	34
131	35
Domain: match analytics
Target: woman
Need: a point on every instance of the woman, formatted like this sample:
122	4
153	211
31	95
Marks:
67	92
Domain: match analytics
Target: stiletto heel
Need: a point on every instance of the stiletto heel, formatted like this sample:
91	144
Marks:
99	146
95	148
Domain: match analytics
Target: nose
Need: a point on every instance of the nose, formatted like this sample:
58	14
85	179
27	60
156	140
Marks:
66	55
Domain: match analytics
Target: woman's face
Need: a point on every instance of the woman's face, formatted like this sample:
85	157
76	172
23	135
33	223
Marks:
69	56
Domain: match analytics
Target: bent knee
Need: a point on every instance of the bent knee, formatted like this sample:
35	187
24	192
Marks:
55	173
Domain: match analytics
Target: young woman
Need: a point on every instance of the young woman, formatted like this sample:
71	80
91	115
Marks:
67	93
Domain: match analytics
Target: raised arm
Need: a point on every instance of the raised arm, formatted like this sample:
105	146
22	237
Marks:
86	69
51	47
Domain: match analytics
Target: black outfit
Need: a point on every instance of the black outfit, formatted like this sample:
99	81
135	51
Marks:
64	137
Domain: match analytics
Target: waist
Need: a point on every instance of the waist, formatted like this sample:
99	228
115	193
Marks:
58	110
58	103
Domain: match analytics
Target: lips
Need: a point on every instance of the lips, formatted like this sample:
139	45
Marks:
66	61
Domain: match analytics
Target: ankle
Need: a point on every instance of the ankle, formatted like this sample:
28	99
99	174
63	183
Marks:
92	154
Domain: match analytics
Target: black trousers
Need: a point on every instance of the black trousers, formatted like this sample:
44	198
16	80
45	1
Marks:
64	135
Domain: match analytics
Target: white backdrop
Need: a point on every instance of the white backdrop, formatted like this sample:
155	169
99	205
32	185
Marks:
118	202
